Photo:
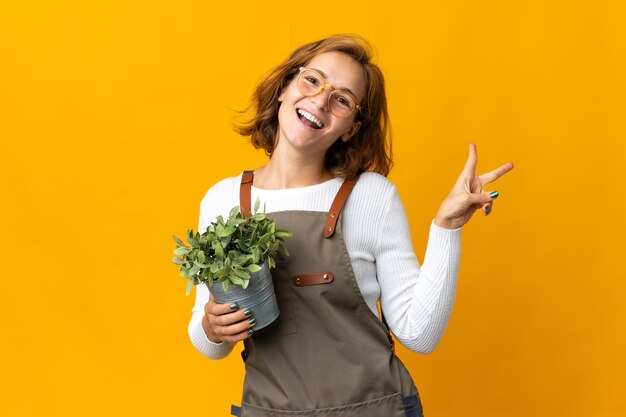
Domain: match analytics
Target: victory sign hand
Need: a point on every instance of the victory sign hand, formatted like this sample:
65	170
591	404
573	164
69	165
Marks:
468	194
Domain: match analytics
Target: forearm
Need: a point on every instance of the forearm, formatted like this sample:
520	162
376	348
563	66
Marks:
433	293
417	302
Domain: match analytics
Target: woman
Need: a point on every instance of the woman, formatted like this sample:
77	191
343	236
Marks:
321	116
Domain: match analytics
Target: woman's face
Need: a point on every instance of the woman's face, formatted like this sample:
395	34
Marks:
295	130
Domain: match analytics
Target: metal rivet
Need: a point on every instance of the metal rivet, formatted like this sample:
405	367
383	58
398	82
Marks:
330	229
297	280
332	215
325	276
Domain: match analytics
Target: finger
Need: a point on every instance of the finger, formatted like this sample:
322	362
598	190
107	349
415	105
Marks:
239	336
220	309
487	209
238	328
479	200
236	332
472	158
491	176
230	318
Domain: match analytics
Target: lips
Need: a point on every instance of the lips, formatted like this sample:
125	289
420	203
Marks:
309	119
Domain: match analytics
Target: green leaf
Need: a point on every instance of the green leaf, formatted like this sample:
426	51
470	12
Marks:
241	273
219	250
264	239
254	268
181	251
283	233
257	204
192	241
178	261
245	284
177	240
234	212
228	231
194	270
200	265
236	280
222	273
235	222
201	257
271	262
283	248
258	217
189	287
226	285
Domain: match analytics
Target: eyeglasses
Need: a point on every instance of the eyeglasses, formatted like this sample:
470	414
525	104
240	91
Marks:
340	102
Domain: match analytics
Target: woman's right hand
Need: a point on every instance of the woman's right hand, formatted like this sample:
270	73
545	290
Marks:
226	323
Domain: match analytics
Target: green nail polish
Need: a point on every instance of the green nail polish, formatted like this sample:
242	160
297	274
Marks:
488	209
247	312
494	194
250	331
252	321
233	306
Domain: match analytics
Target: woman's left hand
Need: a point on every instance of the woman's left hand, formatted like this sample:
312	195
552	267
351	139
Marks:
468	194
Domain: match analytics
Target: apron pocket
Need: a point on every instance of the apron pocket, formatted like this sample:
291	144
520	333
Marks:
389	406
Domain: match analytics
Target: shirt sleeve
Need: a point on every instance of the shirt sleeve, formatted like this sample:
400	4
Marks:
417	301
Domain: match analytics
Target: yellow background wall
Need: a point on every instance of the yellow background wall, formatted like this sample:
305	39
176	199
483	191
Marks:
115	119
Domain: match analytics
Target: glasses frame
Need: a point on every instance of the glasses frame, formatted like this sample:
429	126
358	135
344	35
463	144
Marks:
326	86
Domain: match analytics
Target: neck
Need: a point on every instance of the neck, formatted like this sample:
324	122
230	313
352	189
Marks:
291	171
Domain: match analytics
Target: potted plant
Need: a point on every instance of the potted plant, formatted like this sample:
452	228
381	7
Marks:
233	258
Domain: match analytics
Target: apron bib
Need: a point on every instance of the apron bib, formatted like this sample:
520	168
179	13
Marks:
327	355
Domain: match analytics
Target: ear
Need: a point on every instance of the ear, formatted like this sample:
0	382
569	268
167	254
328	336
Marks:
281	97
353	129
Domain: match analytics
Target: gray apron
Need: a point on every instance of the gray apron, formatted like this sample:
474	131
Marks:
327	355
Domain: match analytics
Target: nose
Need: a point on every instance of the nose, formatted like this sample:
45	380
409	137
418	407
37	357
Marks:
320	100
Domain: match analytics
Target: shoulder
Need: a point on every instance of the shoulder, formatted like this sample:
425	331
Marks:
374	186
372	194
221	197
227	185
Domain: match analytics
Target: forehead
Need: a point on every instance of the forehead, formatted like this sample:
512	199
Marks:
341	71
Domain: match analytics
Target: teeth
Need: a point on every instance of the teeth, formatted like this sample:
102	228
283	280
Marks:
310	117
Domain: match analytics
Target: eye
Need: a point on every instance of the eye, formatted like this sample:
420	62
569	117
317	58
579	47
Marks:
343	100
311	79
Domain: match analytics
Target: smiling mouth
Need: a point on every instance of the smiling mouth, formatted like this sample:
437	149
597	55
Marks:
309	119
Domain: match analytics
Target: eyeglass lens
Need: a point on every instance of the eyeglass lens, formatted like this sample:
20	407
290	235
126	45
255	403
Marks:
311	83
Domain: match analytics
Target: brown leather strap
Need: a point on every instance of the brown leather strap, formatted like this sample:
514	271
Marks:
245	193
315	278
337	206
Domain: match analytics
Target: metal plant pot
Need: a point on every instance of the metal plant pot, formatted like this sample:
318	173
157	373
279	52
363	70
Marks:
259	297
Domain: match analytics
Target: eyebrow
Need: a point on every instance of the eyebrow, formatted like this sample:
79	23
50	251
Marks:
338	88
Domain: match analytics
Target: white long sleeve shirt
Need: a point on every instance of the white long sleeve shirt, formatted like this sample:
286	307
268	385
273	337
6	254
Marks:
417	301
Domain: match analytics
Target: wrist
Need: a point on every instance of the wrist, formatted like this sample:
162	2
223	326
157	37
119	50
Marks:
445	223
205	328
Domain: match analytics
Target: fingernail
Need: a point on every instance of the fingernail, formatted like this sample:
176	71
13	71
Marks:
488	209
247	312
233	307
250	331
494	194
252	321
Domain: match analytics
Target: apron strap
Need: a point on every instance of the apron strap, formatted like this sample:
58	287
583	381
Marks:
337	206
245	192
